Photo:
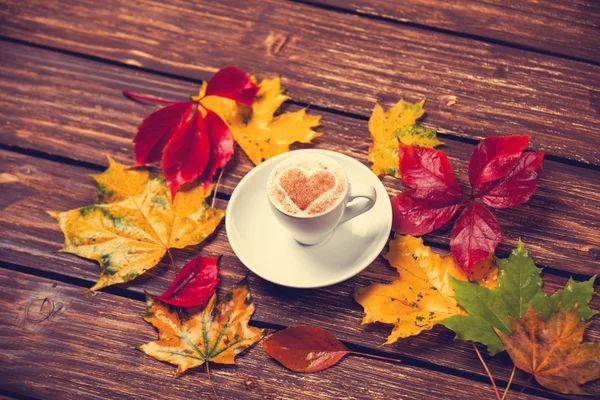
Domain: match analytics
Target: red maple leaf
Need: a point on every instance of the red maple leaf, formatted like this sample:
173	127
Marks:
501	176
190	140
194	284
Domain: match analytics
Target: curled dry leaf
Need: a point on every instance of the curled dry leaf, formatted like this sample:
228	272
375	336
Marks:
393	127
255	128
194	284
305	348
190	337
135	223
553	351
422	295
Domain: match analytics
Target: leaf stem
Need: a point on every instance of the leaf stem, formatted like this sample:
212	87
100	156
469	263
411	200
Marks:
488	371
149	98
357	353
211	382
171	257
526	383
216	188
512	375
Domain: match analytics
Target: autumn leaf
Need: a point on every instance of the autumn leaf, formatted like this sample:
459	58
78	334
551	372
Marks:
193	284
392	127
421	297
519	285
190	140
553	351
501	176
141	223
258	132
305	348
190	337
579	293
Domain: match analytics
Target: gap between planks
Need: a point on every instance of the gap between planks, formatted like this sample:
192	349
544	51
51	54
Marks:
407	361
465	35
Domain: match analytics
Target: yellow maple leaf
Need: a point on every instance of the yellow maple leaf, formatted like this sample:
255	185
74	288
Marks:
420	297
141	223
256	130
553	351
190	337
389	128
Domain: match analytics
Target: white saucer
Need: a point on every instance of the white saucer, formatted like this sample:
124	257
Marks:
267	249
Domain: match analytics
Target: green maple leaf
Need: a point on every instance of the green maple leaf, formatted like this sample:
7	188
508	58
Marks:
519	285
574	293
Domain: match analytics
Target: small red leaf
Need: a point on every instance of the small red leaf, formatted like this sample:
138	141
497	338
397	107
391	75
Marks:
494	158
194	284
429	173
305	348
155	131
232	83
417	217
516	187
185	156
475	235
221	146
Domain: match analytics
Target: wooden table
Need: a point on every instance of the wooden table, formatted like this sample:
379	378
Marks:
485	67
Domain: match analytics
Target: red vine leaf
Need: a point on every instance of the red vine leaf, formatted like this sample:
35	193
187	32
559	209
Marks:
429	173
156	130
516	187
417	217
475	235
221	146
185	156
194	284
305	348
494	158
232	83
189	138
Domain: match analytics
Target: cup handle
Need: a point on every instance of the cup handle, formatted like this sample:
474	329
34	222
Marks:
356	208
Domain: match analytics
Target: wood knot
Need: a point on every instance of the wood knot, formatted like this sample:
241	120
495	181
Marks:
35	314
275	42
447	102
250	384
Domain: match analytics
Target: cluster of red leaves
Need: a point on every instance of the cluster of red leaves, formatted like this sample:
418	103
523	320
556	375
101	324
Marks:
194	283
501	176
190	140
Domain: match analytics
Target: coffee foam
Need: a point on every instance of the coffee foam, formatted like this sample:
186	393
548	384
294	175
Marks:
309	166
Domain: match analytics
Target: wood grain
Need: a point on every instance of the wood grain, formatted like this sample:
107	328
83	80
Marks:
569	28
31	238
69	107
337	60
88	352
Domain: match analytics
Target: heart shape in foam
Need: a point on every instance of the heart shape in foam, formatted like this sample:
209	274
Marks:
302	189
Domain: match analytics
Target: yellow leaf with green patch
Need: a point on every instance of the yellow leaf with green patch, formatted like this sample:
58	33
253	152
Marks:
392	127
190	337
132	233
422	295
258	132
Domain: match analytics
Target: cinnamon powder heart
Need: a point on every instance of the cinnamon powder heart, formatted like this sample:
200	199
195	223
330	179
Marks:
304	190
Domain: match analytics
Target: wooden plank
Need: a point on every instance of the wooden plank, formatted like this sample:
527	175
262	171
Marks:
67	106
336	60
558	27
31	238
85	349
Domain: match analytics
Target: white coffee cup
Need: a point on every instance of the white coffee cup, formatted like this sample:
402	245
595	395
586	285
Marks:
313	229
